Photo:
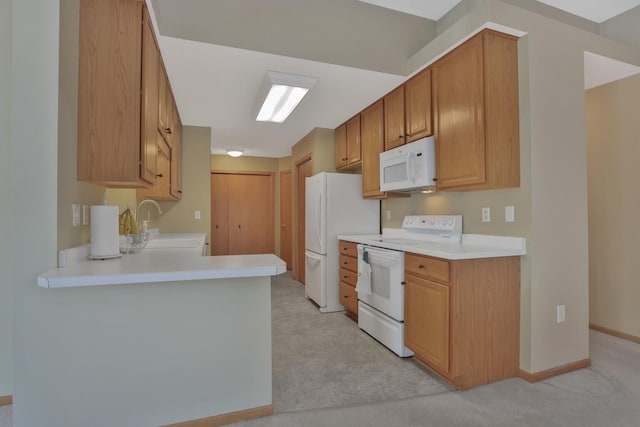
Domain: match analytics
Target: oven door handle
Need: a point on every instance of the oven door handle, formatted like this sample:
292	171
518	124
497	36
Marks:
386	257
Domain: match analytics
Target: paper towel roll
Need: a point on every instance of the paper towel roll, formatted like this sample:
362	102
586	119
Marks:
105	237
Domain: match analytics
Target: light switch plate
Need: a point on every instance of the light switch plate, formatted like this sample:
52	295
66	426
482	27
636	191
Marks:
509	214
85	215
197	215
75	212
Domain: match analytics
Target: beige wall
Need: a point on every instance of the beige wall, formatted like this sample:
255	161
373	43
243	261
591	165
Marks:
33	235
6	322
179	216
613	156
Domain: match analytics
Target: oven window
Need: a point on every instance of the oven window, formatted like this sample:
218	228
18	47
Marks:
380	280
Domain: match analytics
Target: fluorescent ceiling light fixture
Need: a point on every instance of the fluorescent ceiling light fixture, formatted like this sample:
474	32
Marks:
235	152
285	93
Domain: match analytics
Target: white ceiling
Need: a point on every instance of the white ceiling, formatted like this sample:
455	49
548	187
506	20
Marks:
433	9
216	86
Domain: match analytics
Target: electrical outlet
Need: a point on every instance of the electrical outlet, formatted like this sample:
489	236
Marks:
197	215
85	215
509	214
75	215
561	313
486	214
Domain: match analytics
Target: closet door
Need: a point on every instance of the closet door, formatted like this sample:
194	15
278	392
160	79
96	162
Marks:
251	229
219	214
242	213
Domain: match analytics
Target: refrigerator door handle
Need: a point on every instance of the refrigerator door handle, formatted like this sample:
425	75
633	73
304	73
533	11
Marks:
311	257
318	222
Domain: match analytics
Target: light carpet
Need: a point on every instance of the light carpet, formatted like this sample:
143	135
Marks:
324	360
605	394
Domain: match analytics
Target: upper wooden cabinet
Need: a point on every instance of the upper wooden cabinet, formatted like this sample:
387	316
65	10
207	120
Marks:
475	97
176	157
417	106
168	120
394	134
372	136
160	190
407	111
115	147
151	62
347	144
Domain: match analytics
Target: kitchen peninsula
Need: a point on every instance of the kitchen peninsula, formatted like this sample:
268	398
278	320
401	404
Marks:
164	336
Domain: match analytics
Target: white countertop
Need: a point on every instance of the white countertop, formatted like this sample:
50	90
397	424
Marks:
153	265
472	246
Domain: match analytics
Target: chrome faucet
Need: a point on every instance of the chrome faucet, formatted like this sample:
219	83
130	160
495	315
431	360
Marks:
142	203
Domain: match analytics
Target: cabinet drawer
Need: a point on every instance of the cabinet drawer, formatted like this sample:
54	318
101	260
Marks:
349	277
349	248
348	298
427	267
349	263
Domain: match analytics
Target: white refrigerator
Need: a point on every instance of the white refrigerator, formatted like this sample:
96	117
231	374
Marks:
333	206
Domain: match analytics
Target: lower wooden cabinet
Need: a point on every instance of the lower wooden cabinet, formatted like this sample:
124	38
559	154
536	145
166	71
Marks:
427	331
462	317
349	277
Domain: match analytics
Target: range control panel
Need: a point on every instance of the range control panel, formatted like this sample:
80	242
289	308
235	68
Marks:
438	223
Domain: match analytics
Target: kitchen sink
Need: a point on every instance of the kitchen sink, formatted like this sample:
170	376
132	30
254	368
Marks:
175	243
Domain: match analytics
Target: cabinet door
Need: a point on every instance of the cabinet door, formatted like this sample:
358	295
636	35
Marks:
458	92
427	321
159	190
353	141
372	125
251	221
219	214
394	133
150	68
417	106
340	142
109	117
163	90
176	157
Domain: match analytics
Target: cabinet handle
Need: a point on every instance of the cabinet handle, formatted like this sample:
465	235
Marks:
345	263
216	226
180	191
345	296
168	130
344	277
401	136
239	225
159	175
421	266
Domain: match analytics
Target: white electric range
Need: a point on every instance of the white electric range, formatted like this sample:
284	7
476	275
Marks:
381	267
380	284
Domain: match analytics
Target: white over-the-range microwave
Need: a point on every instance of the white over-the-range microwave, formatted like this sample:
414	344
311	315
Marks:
410	167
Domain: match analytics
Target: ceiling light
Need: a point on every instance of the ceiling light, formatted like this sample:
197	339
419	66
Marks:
285	91
235	152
